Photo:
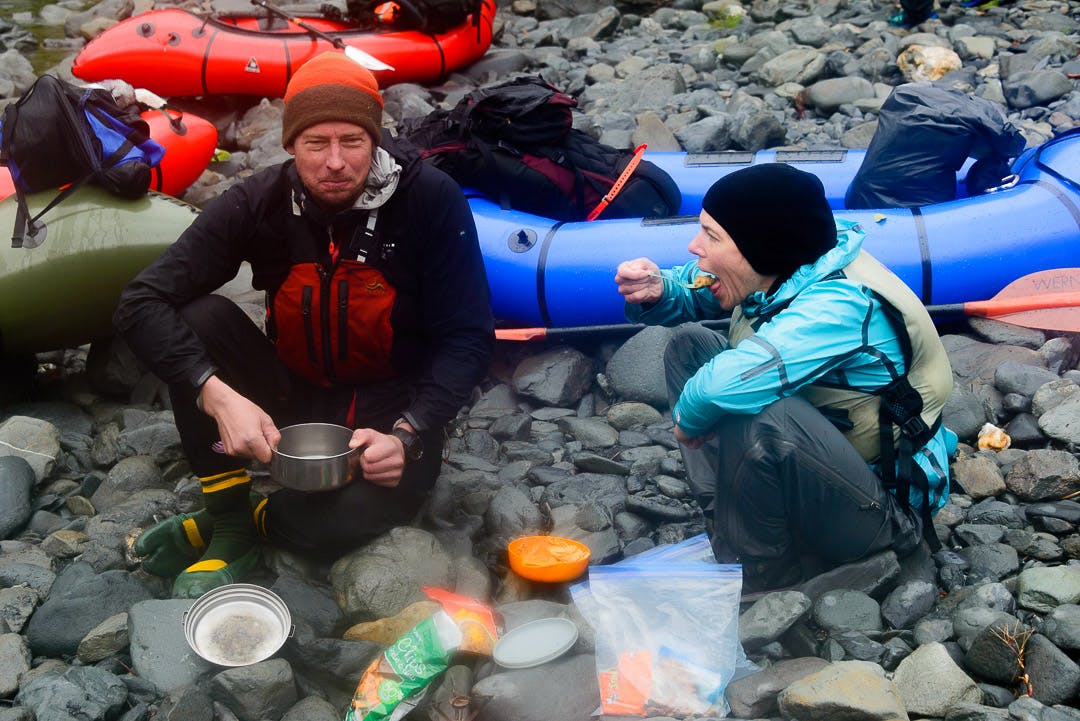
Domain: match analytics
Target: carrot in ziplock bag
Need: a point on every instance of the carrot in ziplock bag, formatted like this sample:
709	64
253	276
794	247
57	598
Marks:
625	689
404	668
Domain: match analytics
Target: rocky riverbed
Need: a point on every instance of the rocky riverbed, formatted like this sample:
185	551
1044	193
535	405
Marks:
577	439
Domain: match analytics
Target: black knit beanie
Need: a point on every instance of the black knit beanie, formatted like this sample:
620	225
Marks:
777	216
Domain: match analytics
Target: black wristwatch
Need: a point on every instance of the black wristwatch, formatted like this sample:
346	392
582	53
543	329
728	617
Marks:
414	447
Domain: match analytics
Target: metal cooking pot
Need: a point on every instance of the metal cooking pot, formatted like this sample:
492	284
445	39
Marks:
315	457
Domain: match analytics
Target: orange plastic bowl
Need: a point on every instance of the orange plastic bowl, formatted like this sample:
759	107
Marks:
548	558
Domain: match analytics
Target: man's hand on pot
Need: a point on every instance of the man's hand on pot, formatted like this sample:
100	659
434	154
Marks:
637	281
246	430
384	458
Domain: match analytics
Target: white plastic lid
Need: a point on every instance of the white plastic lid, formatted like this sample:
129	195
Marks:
535	642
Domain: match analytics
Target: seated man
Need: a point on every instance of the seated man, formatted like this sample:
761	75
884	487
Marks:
378	318
793	456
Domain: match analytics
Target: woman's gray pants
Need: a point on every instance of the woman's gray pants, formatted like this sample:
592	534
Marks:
783	491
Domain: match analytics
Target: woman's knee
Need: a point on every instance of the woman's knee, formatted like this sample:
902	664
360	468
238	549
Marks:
691	346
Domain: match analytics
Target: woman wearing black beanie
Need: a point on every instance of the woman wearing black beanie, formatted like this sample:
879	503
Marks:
797	463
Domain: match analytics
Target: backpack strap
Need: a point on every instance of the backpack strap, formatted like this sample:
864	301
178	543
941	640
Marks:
901	407
619	183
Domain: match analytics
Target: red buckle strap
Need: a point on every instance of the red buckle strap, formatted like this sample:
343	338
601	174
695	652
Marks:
619	183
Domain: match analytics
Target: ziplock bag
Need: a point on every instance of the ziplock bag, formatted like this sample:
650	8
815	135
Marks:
667	640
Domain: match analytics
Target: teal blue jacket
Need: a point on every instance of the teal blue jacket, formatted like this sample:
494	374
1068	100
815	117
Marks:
830	331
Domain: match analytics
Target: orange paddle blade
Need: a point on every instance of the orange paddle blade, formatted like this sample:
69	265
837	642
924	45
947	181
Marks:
1049	300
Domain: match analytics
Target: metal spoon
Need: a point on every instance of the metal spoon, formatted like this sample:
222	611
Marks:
691	286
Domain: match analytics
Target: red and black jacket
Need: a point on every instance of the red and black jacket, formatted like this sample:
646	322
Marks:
436	331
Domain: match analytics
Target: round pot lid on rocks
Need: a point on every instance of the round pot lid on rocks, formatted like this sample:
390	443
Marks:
536	642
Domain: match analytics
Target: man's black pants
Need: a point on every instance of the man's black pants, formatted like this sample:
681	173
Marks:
783	490
324	523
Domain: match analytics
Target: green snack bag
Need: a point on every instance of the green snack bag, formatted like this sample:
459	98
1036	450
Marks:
405	667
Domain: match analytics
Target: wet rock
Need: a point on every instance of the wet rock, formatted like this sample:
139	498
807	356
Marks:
79	601
848	689
189	702
992	512
976	712
930	683
847	610
992	655
94	694
630	414
1044	475
262	690
1022	378
1060	422
527	694
592	433
1054	677
159	652
17	481
963	413
908	602
17	605
35	441
978	534
1044	589
770	617
558	377
383	577
754	696
312	708
874	576
14	661
1062	626
979	476
385	631
636	369
1051	395
857	646
107	638
308	601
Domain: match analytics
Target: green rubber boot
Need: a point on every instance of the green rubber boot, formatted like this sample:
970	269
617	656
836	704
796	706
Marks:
170	546
233	552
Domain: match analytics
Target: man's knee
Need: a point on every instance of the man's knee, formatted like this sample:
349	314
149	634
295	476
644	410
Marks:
210	312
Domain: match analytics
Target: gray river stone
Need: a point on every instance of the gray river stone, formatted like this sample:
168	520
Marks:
16	487
260	691
79	600
770	616
1062	626
159	651
1044	589
81	693
930	682
847	610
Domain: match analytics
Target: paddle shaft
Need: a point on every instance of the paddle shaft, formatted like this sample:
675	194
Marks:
981	308
355	54
1005	306
337	42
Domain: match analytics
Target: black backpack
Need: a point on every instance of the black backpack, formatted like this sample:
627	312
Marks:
57	134
515	143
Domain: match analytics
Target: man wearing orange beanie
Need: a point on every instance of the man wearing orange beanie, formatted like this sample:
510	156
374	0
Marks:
378	319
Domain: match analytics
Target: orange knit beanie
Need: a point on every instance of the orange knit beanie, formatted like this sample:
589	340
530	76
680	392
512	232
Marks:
331	87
